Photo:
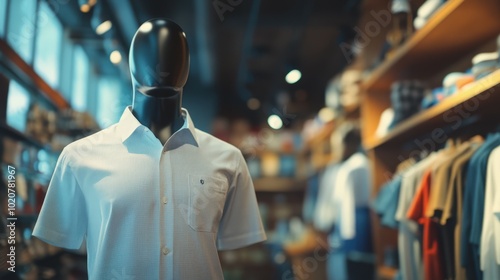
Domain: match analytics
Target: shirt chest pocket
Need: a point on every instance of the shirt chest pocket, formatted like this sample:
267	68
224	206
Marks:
206	202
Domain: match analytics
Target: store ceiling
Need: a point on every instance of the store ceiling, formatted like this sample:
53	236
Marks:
241	49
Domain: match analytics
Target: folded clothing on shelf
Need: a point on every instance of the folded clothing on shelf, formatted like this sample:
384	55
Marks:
455	81
406	98
425	12
432	98
484	64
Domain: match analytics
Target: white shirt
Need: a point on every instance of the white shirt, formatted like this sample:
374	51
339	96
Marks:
149	211
351	189
490	235
325	208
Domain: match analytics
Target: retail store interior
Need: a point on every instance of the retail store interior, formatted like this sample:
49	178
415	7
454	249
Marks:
370	128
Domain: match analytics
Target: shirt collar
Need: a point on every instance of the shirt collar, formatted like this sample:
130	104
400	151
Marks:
128	124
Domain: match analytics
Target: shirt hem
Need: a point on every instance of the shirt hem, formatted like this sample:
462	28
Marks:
55	238
230	243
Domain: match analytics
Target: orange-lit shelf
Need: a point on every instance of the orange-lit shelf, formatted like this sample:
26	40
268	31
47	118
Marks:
481	99
279	184
322	135
456	29
25	72
386	273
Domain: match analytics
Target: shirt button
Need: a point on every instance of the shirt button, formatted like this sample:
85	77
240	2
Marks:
164	200
165	250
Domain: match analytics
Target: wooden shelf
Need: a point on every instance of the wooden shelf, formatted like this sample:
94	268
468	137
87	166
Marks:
481	99
16	135
386	273
322	135
17	66
279	184
458	28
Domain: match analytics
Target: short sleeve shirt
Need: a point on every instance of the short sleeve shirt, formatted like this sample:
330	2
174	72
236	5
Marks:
490	247
433	266
352	190
147	210
324	211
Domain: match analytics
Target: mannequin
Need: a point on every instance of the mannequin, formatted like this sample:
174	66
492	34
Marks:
139	204
159	67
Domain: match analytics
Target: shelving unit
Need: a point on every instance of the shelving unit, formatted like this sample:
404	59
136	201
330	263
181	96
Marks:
19	136
453	35
279	184
452	110
14	64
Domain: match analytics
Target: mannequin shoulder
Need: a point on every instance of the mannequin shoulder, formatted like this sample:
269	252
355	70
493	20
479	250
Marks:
89	143
209	142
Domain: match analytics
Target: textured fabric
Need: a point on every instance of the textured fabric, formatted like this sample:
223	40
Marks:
386	202
409	237
311	199
473	208
351	190
452	211
490	243
440	183
433	267
323	214
148	210
406	99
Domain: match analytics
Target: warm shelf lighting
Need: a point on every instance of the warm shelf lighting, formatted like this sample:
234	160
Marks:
103	27
115	57
253	104
85	8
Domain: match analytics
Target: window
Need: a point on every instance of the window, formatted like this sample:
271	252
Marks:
80	79
18	102
48	45
3	13
109	106
21	27
66	67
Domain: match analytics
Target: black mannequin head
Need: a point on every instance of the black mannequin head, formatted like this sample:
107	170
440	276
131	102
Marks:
159	59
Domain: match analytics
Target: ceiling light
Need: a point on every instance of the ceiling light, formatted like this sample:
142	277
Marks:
103	27
275	122
85	8
253	104
115	57
293	76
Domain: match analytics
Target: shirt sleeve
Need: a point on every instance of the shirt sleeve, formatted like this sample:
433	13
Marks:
62	221
348	208
417	206
240	224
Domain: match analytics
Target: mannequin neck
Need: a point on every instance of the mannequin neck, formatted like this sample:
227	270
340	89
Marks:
162	115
